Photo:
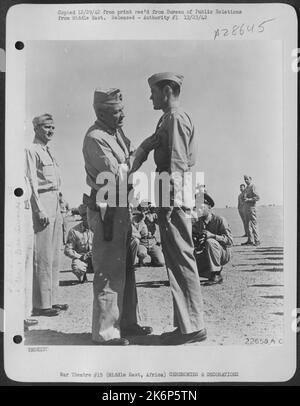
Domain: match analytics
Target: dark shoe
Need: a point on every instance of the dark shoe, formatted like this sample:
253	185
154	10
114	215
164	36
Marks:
247	243
30	323
179	339
136	330
170	333
45	312
257	243
214	280
60	306
114	341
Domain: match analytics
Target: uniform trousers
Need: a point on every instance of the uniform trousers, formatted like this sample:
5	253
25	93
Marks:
178	250
252	226
155	253
212	258
115	295
28	226
47	253
242	213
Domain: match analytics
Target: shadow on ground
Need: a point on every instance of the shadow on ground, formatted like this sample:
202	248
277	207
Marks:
52	337
152	284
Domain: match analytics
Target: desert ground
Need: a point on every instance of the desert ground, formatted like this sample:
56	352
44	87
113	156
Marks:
246	309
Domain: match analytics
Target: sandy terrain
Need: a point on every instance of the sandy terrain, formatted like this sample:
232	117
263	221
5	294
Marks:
246	308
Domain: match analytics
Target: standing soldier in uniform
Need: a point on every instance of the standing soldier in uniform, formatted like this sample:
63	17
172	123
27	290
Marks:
250	199
242	208
173	144
106	149
44	179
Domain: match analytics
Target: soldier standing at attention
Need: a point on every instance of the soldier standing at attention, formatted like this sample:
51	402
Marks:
106	149
250	198
173	145
242	208
44	179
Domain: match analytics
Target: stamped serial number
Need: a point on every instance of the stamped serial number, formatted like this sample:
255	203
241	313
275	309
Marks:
241	29
264	341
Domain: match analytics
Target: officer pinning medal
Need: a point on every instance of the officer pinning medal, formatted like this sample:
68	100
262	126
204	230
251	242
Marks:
112	232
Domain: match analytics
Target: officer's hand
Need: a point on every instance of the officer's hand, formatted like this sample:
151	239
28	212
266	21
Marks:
209	234
84	257
43	219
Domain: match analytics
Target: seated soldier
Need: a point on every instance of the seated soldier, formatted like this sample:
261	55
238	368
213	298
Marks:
79	247
139	231
152	241
212	240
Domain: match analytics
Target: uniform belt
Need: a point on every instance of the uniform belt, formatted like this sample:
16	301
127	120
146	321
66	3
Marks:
47	190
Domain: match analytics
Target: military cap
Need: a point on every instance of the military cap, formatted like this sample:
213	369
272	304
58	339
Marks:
41	119
158	77
105	98
205	198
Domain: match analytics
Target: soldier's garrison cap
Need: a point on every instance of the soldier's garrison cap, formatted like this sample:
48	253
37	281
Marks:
106	98
158	77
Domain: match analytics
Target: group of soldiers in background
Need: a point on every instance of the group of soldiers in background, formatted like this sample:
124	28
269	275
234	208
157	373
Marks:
110	241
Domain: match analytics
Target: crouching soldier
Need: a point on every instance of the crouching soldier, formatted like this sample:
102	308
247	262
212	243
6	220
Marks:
79	247
212	240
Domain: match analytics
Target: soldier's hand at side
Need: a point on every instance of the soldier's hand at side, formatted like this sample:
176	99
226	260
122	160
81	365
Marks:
43	219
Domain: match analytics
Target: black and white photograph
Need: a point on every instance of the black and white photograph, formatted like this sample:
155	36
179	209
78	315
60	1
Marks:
149	212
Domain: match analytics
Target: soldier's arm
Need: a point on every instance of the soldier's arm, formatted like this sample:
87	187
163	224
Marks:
144	230
224	235
31	174
179	141
255	196
70	247
140	155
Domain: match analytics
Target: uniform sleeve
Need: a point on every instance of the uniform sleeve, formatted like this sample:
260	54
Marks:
239	201
70	247
31	174
224	235
254	196
143	230
179	140
140	155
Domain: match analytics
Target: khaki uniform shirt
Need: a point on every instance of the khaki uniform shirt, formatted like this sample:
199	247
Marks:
104	150
42	172
79	241
250	193
174	150
217	225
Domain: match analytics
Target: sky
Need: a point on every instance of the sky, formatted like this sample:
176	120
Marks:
231	89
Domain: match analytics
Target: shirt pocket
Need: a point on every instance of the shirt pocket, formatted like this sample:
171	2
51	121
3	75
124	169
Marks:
48	171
